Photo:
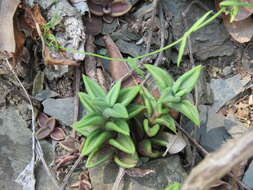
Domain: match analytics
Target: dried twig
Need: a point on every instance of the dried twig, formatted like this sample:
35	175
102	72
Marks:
66	178
37	153
205	153
119	177
217	164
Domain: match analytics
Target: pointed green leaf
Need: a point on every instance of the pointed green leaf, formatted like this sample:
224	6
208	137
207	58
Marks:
185	83
150	131
133	64
126	160
161	77
113	94
145	148
167	121
92	88
181	49
87	130
89	119
188	109
99	157
118	111
95	140
85	100
175	186
119	126
123	143
134	110
127	95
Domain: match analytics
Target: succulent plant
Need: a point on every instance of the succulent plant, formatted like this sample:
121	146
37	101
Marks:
105	125
158	122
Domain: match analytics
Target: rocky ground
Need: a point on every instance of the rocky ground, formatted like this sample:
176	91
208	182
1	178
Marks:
224	94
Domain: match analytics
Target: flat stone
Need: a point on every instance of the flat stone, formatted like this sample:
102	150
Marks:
167	171
248	176
16	151
210	41
130	48
225	90
60	109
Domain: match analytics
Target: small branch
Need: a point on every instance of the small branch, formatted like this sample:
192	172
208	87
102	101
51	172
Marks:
119	177
66	178
205	153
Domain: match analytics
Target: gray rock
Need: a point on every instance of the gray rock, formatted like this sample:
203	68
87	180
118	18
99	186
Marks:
225	90
207	42
167	171
45	94
130	48
109	28
248	176
227	70
205	94
16	151
60	109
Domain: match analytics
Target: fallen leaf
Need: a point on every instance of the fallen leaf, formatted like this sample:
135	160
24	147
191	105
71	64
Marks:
42	120
83	183
70	144
118	69
243	13
93	24
138	172
176	143
66	160
58	134
47	130
7	37
49	60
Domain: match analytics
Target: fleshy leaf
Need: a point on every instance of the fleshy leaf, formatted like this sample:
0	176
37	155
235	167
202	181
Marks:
99	157
85	100
88	120
181	49
150	131
188	109
95	140
127	95
92	88
123	143
126	160
145	148
161	77
175	186
134	110
113	94
119	126
185	83
167	121
118	111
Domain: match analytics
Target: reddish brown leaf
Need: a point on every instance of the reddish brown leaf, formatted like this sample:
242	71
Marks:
83	183
42	120
119	8
242	14
47	130
138	172
66	160
118	69
93	24
57	61
70	144
58	134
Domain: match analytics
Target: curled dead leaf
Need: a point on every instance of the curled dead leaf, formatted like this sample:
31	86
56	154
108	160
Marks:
42	120
47	130
70	144
83	183
57	61
58	134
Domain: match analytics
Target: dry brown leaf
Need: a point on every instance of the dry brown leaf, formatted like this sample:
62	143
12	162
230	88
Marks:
58	134
241	31
7	11
119	69
49	60
47	130
42	120
242	14
70	144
